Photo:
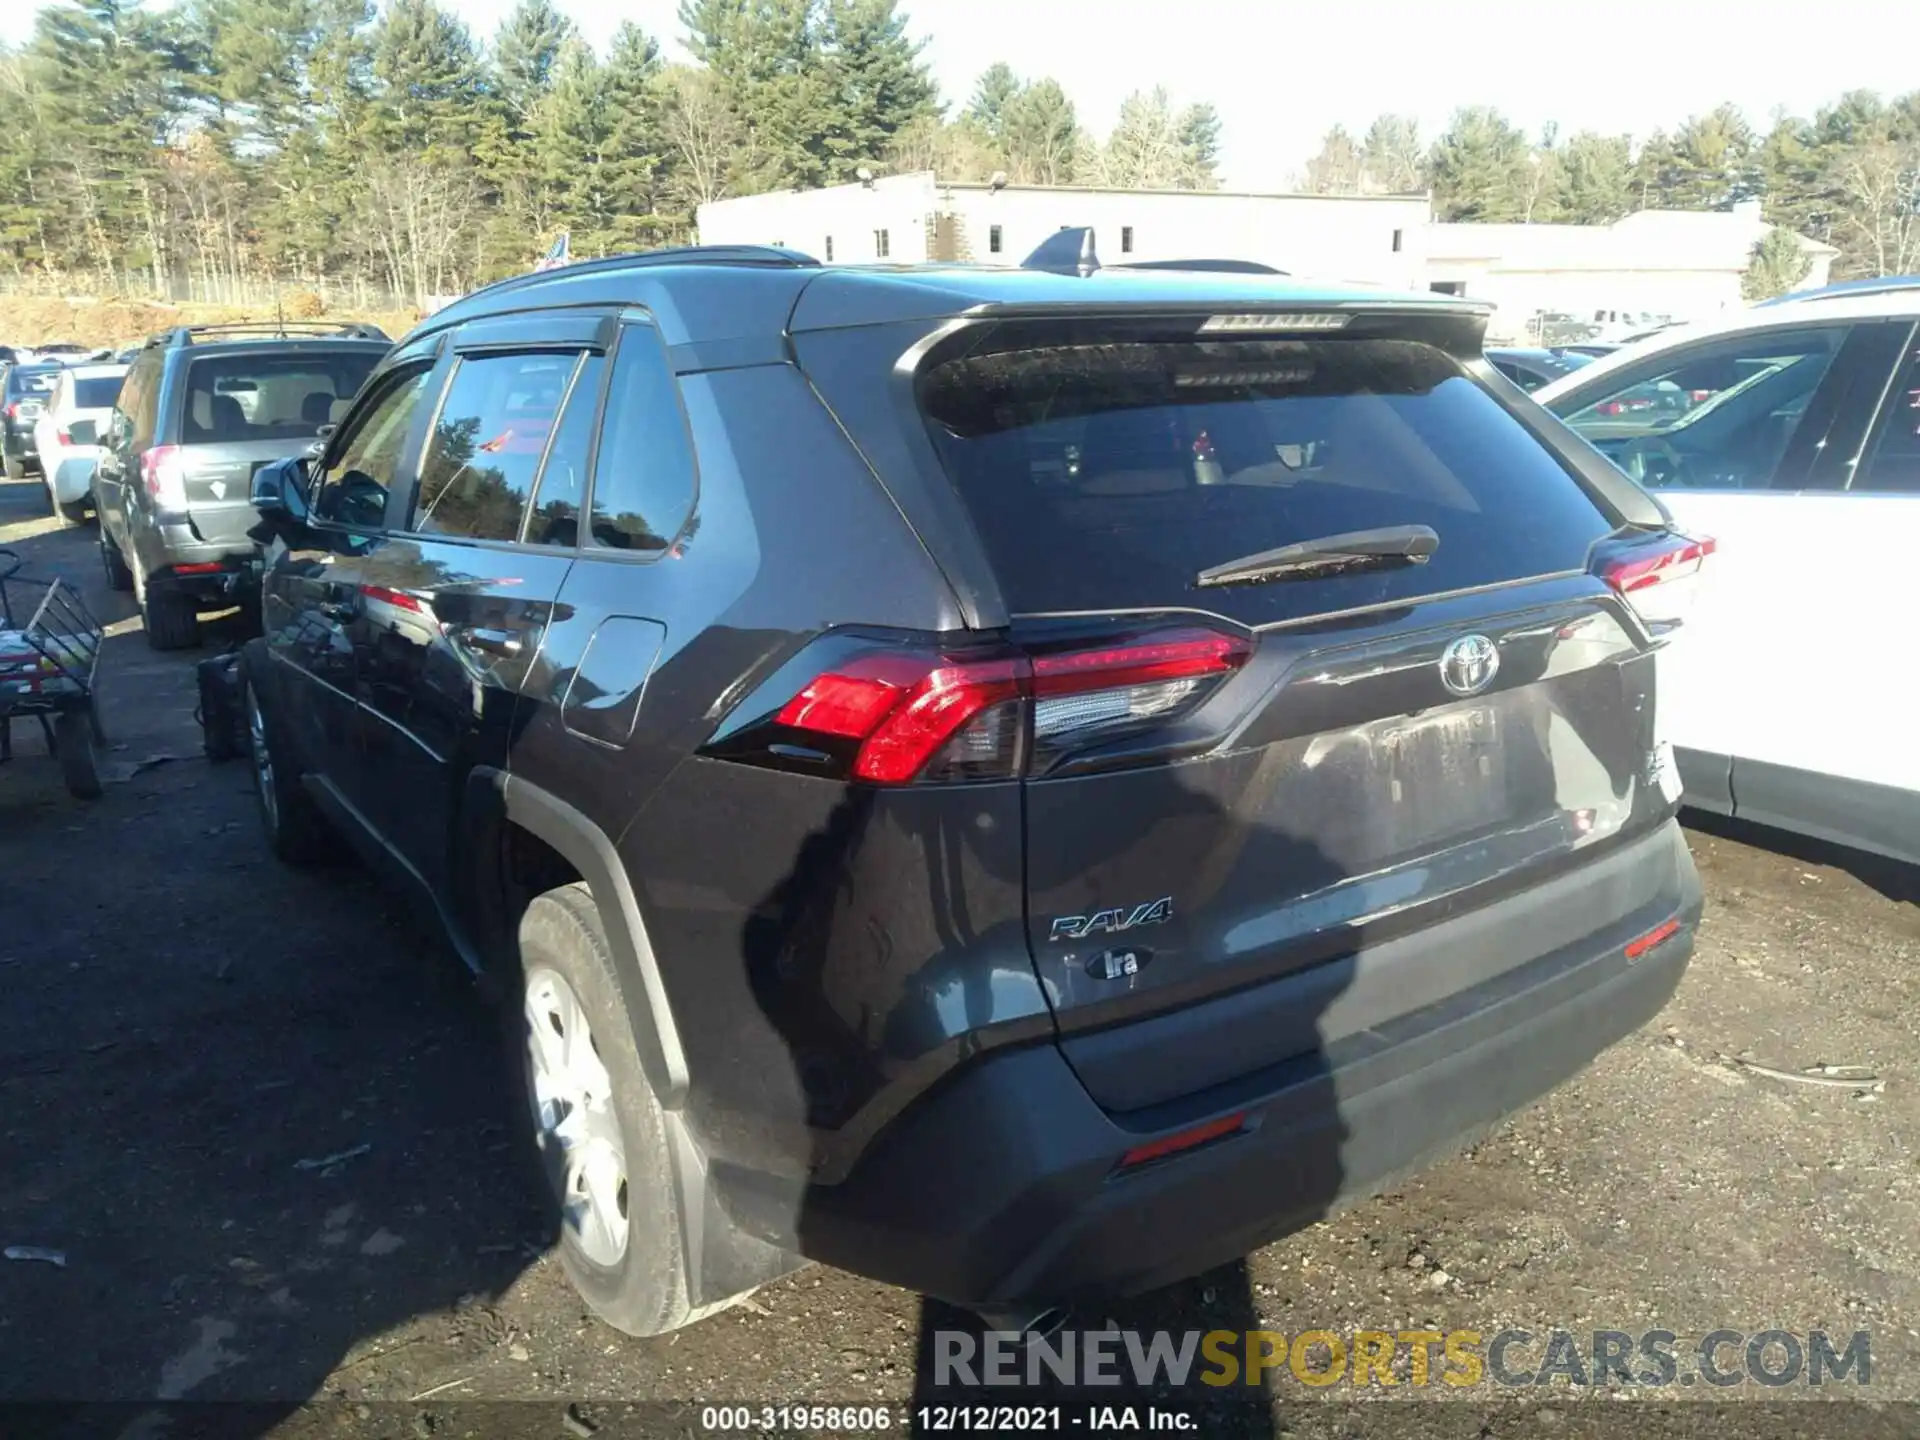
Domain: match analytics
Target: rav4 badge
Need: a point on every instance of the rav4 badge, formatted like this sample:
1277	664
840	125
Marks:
1113	922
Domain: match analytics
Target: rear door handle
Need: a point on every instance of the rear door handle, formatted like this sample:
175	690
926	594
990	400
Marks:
503	643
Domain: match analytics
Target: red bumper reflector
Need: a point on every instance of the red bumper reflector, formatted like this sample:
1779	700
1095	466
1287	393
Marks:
1659	935
199	567
1184	1140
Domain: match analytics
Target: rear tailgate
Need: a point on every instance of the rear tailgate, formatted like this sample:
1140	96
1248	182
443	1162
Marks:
246	408
1383	744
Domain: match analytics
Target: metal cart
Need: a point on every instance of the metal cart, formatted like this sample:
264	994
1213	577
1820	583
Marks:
49	653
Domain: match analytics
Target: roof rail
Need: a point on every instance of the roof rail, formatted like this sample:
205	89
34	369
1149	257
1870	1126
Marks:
276	329
1878	285
1068	252
777	256
1227	267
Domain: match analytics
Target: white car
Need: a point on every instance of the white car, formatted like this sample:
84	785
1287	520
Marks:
1789	433
69	430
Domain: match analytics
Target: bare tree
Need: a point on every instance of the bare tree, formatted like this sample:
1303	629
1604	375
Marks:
418	214
706	136
1880	203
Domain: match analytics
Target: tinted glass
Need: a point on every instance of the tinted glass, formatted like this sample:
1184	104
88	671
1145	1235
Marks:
32	379
643	480
1714	416
238	398
1893	458
1111	475
353	489
486	444
555	519
95	394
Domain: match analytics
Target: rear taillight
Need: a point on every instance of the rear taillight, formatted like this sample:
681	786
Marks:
898	715
1674	557
13	411
163	470
63	435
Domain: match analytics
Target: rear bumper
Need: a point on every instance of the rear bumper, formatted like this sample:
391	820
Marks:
164	549
1000	1189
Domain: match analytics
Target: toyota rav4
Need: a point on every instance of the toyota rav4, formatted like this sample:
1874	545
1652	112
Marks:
1020	783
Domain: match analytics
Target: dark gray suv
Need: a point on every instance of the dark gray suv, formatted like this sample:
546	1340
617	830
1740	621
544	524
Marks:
200	411
1019	784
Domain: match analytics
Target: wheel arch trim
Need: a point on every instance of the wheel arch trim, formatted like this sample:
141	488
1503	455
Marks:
586	847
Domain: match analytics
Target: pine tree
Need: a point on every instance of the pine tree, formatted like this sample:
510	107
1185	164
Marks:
1040	136
1778	264
1479	167
1200	146
428	81
993	92
635	152
1598	178
525	52
876	82
768	70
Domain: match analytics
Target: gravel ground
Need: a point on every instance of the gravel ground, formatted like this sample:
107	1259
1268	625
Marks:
260	1115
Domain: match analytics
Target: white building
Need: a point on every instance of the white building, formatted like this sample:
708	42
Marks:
1371	239
1651	267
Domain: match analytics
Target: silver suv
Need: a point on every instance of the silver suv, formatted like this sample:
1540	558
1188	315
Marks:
200	411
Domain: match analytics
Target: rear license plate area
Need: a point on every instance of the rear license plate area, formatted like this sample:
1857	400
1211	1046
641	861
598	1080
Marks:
1443	776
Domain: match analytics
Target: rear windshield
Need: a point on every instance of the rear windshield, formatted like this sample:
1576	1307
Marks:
32	381
236	398
96	394
1104	476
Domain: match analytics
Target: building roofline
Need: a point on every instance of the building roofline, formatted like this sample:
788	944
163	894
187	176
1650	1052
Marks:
1401	196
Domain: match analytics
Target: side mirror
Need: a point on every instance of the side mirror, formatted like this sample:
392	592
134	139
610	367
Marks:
83	432
280	495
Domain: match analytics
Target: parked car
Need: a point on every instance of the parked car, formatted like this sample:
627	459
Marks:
67	434
1790	434
1530	369
200	411
1013	784
23	394
61	352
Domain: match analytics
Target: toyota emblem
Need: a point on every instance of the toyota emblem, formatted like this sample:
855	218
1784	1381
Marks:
1468	665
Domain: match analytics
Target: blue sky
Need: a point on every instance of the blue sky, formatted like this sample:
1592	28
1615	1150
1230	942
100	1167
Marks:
1282	71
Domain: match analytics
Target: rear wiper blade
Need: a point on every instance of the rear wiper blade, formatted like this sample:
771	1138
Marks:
1329	555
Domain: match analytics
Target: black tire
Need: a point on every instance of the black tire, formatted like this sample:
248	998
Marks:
119	577
645	1291
77	742
297	833
72	513
14	465
172	619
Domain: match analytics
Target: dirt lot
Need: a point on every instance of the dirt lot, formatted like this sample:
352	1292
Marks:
260	1116
41	320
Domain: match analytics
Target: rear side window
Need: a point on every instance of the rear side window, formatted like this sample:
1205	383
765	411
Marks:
234	399
487	442
1109	475
555	517
643	478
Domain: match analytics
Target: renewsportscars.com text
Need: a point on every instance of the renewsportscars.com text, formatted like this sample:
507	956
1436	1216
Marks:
1361	1358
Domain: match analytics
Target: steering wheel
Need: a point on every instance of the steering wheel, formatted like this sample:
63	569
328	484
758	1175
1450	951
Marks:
1650	460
